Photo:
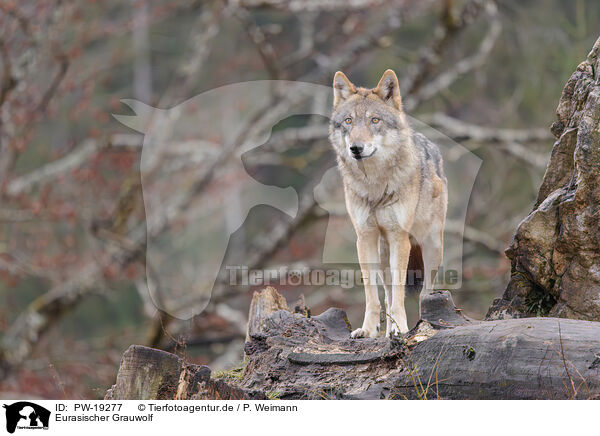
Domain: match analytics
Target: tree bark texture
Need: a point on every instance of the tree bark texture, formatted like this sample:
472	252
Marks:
555	252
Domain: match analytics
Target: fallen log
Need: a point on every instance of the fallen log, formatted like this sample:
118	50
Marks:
294	356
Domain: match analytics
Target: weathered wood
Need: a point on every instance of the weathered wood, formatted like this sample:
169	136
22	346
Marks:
146	374
221	390
511	359
447	356
438	308
150	374
263	304
335	358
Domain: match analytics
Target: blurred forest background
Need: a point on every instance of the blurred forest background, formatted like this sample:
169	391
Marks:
73	294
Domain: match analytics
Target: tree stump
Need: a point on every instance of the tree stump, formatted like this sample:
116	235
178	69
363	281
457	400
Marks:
150	374
262	305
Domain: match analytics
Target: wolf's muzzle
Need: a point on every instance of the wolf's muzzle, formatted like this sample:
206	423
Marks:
359	156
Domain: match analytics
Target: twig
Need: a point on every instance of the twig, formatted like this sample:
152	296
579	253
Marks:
265	49
312	5
474	235
462	130
460	68
562	353
451	25
186	76
72	160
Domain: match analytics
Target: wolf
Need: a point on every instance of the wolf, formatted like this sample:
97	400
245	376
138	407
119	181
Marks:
395	190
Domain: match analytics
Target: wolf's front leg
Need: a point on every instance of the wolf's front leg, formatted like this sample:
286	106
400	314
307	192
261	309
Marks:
368	256
399	253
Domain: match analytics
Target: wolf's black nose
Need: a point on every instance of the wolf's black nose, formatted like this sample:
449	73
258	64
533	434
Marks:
357	149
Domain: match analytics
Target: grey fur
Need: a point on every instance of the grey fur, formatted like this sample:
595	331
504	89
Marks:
395	189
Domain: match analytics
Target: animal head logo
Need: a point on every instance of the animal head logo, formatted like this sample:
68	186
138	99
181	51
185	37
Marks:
26	415
197	192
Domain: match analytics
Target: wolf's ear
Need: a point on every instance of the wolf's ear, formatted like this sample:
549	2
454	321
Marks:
389	90
342	88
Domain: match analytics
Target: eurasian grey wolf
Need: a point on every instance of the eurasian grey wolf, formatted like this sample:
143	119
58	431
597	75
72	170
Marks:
395	190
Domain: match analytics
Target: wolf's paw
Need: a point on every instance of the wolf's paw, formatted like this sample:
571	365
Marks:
363	333
395	330
396	324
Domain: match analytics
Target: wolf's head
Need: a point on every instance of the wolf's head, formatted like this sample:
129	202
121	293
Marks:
367	123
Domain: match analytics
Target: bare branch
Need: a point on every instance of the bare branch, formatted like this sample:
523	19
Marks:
16	215
450	27
311	5
461	130
265	49
18	342
17	266
307	39
72	160
509	140
288	138
39	316
474	235
520	151
8	80
63	66
460	68
12	11
209	24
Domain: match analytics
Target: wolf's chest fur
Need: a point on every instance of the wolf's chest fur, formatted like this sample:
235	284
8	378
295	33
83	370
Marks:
383	193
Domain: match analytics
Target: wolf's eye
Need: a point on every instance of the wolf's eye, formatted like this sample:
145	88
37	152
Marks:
348	120
375	120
